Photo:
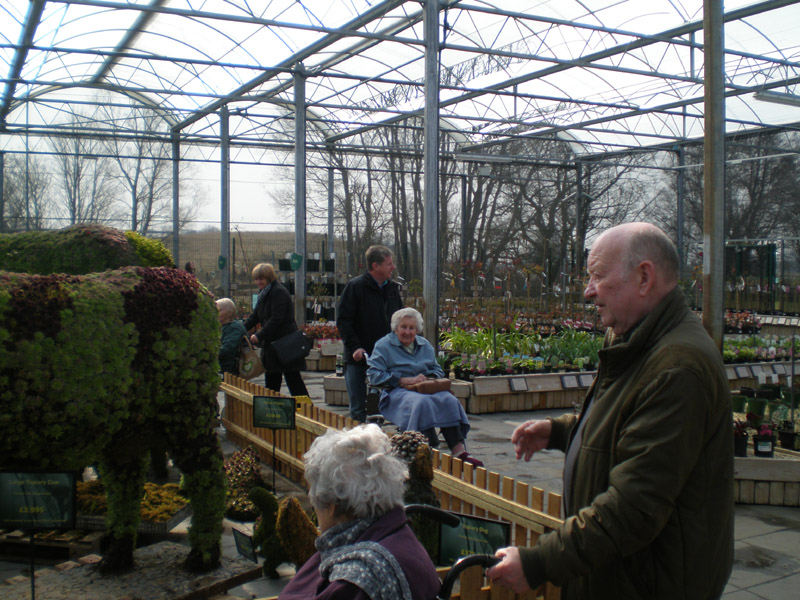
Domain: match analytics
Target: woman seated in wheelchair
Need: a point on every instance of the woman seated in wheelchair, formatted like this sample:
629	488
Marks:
402	359
366	548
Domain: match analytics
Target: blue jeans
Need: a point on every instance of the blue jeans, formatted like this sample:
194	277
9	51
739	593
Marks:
355	378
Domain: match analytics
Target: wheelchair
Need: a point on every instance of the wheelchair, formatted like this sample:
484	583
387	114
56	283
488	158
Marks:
448	519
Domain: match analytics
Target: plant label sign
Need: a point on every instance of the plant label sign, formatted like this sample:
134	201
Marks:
37	500
274	412
472	535
244	544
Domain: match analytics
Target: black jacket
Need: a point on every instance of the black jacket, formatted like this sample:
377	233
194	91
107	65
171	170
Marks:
365	313
275	312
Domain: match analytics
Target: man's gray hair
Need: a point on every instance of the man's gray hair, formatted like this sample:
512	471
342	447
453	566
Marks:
651	243
355	471
405	313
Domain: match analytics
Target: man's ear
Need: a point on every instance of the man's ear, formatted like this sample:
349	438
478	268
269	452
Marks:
646	271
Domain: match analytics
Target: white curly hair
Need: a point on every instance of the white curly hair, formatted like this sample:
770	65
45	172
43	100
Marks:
355	471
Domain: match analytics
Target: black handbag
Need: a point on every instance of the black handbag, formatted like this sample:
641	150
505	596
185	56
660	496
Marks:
291	348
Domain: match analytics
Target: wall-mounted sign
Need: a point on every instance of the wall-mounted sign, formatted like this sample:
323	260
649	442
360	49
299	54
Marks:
295	261
273	412
37	500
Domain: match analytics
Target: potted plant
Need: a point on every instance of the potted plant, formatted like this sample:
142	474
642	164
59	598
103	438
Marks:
787	435
764	442
740	438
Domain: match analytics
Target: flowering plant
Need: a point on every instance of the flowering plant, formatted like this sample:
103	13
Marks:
765	431
739	428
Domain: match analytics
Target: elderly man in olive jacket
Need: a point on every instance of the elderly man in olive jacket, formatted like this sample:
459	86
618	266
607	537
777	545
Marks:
648	470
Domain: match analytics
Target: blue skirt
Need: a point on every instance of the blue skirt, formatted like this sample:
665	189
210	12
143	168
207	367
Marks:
412	411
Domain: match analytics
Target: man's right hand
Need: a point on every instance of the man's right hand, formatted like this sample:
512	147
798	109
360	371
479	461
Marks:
358	355
531	437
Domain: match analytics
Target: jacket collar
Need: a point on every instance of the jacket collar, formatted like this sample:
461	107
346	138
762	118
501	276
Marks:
619	351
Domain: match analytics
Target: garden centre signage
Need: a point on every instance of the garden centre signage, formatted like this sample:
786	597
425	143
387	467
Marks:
244	544
37	500
273	412
472	535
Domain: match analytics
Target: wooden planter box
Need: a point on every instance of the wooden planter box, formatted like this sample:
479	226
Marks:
773	481
315	361
506	393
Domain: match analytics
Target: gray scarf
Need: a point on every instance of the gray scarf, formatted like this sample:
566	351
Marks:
367	565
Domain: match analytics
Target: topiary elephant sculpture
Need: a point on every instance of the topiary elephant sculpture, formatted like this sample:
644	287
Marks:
95	369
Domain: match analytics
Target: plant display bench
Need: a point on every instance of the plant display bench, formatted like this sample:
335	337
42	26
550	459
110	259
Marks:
772	481
753	374
506	393
52	543
336	391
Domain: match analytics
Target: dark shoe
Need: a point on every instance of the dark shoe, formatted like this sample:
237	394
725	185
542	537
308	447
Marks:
468	458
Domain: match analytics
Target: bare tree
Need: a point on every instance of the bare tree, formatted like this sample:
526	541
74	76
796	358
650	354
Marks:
24	207
88	187
144	166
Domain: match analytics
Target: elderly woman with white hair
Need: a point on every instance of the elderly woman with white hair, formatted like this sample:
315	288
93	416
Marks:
403	358
366	549
232	333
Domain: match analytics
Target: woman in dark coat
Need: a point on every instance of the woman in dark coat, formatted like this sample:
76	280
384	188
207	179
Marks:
275	313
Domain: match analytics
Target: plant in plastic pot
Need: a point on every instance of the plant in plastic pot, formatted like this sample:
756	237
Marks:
740	438
764	442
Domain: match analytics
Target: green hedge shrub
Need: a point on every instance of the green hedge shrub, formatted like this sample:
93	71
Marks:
95	369
79	249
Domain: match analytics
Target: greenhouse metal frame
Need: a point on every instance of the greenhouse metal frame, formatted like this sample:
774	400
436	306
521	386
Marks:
272	81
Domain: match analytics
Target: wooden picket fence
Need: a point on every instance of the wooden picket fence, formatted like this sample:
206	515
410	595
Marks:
460	486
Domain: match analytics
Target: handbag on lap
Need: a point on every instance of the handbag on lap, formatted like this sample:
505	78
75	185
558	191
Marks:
431	386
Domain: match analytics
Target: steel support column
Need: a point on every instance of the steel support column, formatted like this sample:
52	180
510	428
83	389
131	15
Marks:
225	194
714	171
176	198
680	214
430	249
300	192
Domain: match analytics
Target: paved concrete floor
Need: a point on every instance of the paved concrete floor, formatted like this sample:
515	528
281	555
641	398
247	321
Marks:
767	550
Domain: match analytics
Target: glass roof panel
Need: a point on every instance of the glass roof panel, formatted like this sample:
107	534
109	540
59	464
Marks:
614	73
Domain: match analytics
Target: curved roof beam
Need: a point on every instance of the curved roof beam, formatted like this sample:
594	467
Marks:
375	13
132	94
32	20
127	41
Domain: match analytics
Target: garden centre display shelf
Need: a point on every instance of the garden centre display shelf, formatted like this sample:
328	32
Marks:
509	393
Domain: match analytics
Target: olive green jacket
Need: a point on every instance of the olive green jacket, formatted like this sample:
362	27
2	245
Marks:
651	503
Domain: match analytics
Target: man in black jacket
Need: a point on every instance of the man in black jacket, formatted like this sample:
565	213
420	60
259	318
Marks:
365	311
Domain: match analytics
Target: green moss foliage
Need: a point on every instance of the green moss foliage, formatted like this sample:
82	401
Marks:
79	249
151	253
95	368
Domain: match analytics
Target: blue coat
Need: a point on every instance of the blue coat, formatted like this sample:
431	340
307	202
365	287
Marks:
409	410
